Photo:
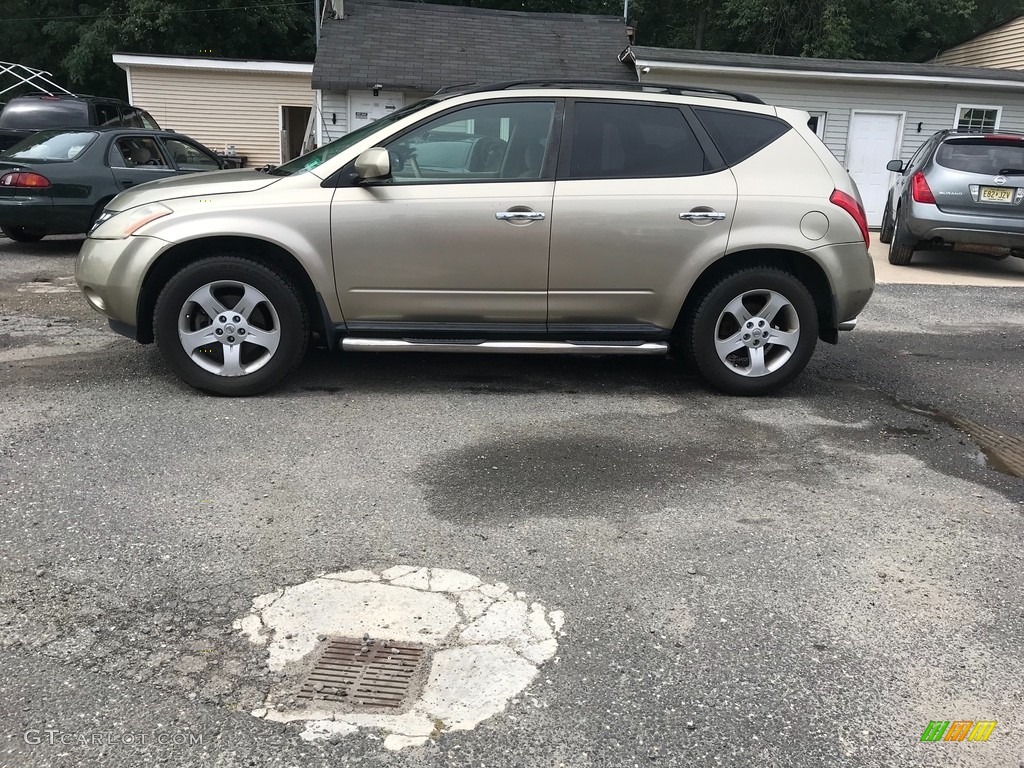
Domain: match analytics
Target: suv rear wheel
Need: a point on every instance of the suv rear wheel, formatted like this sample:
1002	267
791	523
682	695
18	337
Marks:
753	331
901	249
230	326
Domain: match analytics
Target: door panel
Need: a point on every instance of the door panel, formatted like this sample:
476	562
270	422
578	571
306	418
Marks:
460	231
436	253
137	159
641	198
612	264
874	141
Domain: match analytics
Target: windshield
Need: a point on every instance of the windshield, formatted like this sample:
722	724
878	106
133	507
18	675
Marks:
51	146
320	156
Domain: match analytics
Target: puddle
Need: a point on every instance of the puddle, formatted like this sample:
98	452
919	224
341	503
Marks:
1003	452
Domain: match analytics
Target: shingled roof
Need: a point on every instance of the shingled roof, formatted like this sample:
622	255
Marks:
417	46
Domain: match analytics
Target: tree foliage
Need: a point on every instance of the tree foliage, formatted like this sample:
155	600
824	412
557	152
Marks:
74	39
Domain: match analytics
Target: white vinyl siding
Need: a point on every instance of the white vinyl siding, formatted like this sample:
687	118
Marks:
1001	48
334	107
219	107
335	115
927	108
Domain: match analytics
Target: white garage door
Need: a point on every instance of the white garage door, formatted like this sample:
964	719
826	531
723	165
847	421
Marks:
874	141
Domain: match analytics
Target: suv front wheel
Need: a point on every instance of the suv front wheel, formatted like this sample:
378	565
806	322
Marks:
230	326
753	331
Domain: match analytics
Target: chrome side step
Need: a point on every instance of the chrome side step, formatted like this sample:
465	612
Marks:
353	344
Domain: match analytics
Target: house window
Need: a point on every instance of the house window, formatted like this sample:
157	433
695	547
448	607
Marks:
817	124
972	118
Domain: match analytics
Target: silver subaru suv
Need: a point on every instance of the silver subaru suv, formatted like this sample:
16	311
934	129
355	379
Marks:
520	217
960	191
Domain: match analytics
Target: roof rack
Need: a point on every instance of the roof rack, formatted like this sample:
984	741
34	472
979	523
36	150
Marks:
674	89
35	78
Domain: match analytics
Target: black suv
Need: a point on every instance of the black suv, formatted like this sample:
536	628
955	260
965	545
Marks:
24	115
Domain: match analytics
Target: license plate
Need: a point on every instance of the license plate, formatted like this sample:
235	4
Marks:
997	194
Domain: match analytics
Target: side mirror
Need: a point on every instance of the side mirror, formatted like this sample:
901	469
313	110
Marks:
373	163
896	166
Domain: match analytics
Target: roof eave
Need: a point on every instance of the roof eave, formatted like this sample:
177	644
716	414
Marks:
809	74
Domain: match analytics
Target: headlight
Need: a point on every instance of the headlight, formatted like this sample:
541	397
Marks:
117	226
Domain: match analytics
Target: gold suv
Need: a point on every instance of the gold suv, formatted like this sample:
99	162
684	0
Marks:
530	216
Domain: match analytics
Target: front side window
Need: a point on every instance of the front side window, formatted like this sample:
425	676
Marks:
189	157
489	142
973	119
623	140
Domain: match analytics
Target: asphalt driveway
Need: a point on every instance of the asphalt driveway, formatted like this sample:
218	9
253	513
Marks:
803	580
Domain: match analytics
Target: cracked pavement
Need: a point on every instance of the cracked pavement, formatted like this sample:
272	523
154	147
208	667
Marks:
804	580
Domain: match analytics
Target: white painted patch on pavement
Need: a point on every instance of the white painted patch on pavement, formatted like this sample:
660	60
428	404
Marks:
487	643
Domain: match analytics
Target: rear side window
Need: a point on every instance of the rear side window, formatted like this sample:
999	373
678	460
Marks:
37	114
107	114
988	156
738	135
622	140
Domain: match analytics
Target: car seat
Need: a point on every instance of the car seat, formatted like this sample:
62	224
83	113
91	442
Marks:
140	155
533	160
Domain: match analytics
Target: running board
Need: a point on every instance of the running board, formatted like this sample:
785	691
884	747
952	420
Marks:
352	344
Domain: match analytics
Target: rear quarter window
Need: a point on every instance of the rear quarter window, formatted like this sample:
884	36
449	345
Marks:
738	135
39	114
991	157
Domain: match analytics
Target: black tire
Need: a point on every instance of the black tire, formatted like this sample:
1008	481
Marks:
22	235
901	249
710	320
283	317
888	225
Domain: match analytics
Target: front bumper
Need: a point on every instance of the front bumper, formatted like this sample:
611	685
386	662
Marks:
110	274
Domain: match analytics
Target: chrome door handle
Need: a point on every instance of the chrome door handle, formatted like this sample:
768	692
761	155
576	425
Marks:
702	216
519	216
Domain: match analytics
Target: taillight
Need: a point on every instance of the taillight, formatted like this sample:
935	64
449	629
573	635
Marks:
24	179
849	204
920	190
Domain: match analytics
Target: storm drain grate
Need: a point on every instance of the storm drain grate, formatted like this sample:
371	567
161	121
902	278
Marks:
365	674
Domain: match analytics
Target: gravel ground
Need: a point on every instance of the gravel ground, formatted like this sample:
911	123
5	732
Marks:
804	580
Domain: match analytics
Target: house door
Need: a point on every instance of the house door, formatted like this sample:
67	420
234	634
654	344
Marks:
294	124
874	140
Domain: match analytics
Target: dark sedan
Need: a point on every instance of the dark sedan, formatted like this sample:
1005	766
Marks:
57	182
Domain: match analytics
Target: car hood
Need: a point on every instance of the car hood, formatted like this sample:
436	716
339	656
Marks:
191	185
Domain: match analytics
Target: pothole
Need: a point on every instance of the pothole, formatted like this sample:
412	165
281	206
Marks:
411	652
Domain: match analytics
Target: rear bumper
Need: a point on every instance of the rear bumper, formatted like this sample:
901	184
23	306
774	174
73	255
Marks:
928	223
34	212
851	275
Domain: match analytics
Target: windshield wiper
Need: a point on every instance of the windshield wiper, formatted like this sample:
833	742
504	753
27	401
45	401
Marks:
1011	171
